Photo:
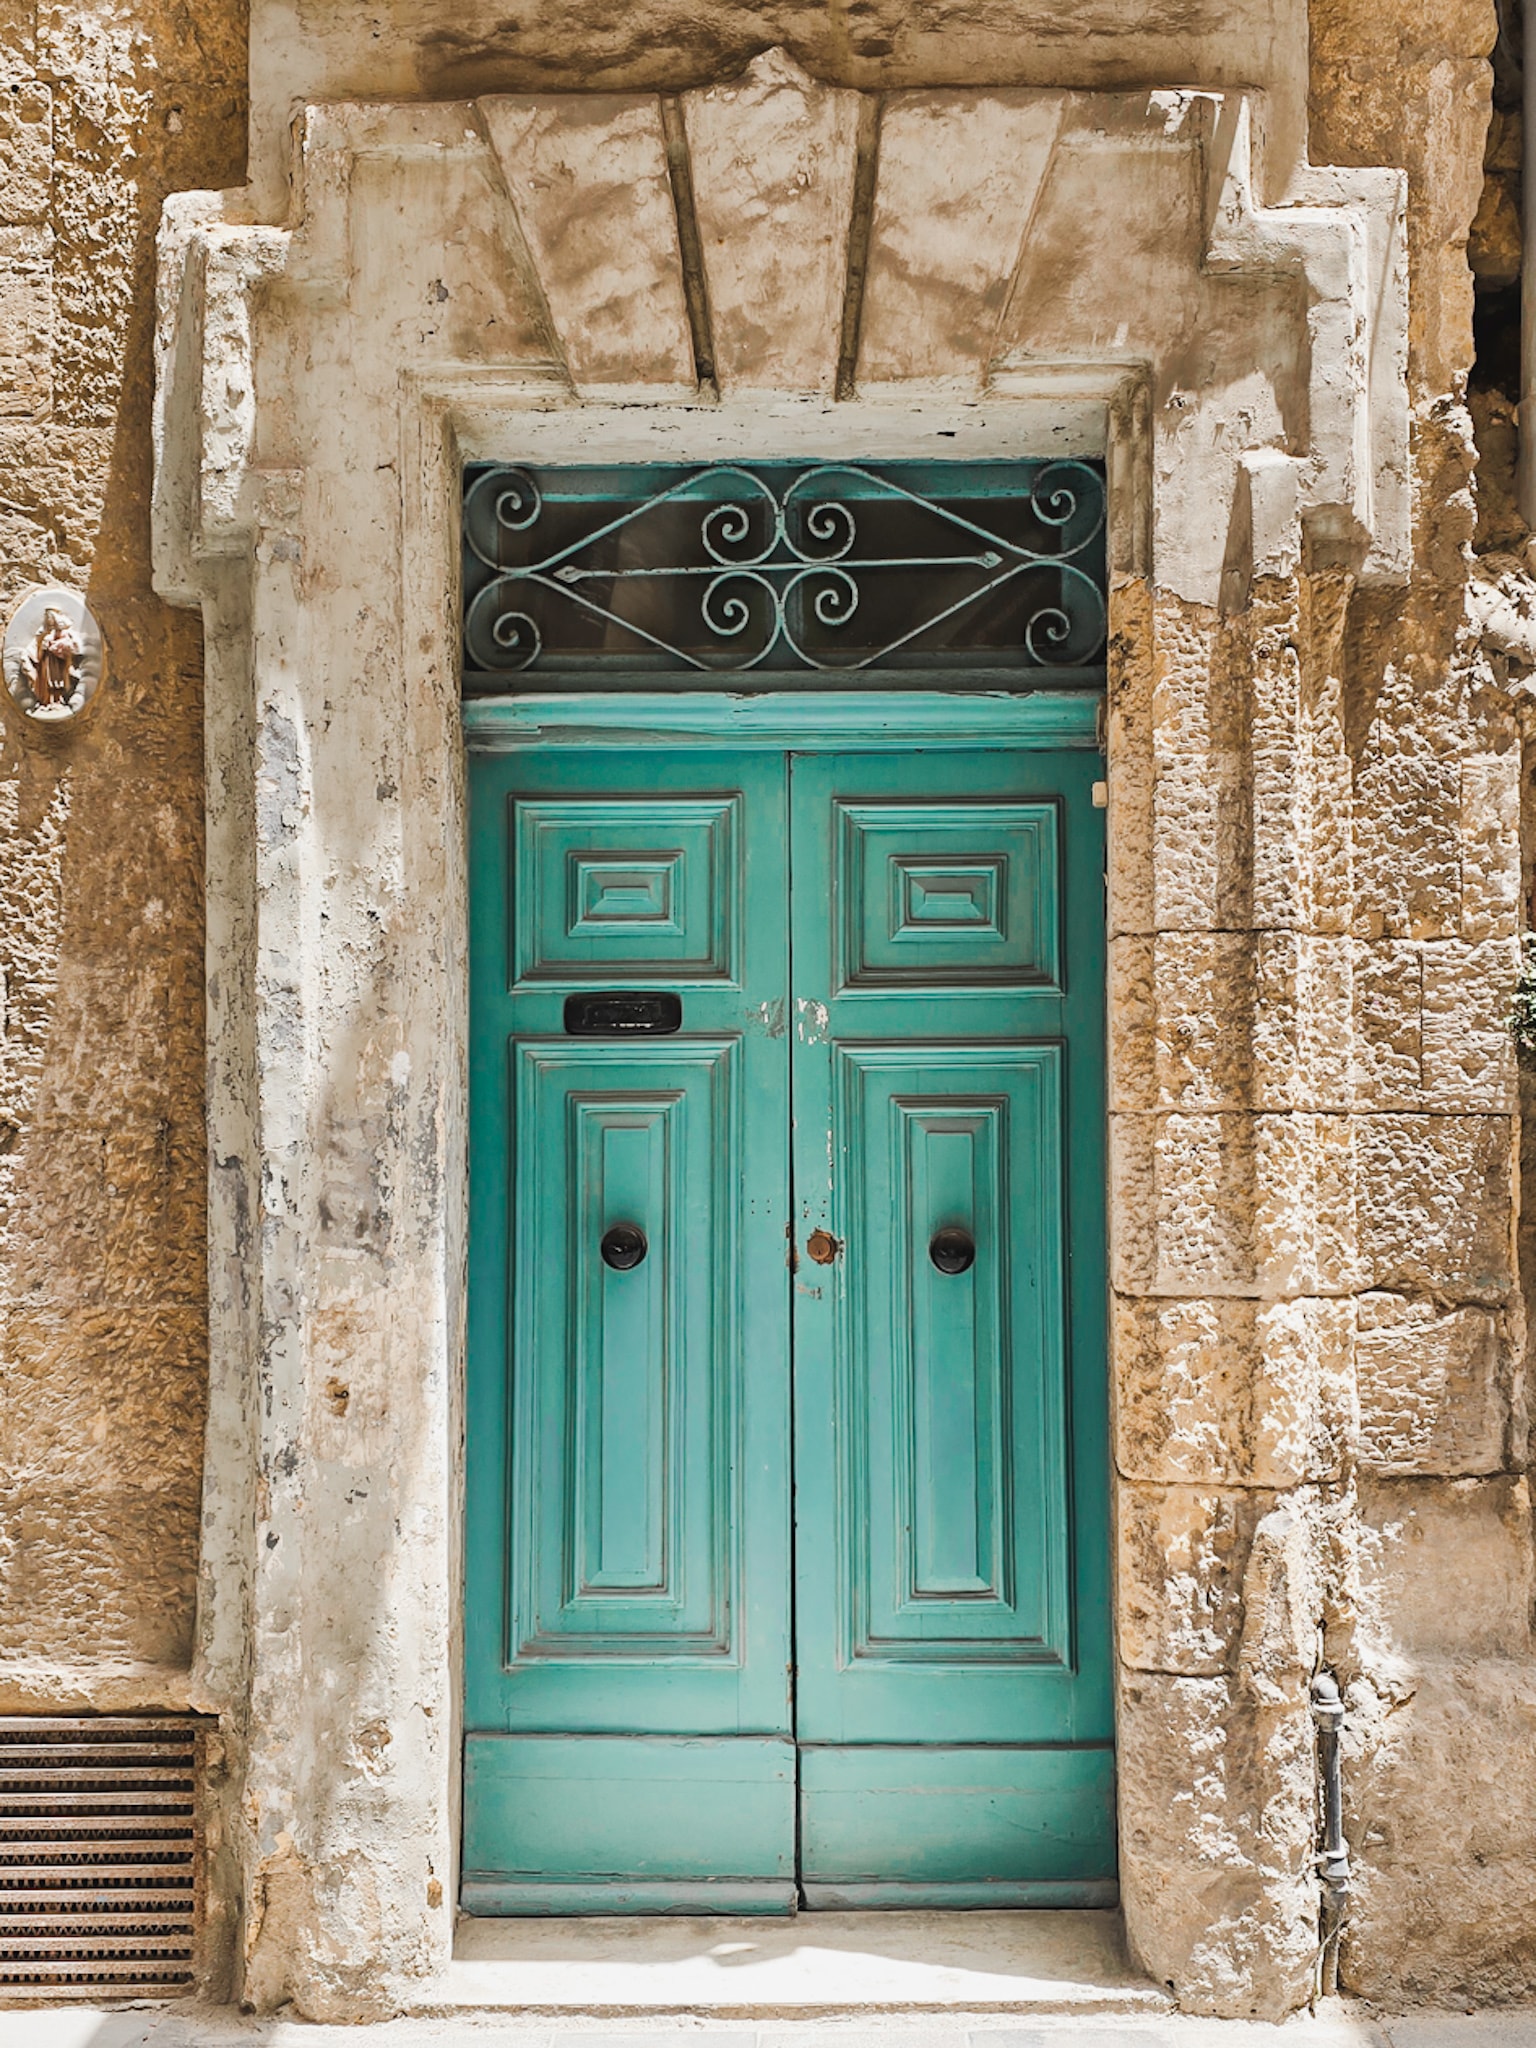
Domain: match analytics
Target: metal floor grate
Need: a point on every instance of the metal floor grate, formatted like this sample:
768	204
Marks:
98	1857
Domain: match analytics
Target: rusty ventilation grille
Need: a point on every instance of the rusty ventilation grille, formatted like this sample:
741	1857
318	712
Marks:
98	1857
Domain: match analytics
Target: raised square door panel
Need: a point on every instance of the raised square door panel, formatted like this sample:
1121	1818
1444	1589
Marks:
637	886
947	895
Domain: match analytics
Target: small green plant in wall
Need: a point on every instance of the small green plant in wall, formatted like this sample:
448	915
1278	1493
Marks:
1522	1016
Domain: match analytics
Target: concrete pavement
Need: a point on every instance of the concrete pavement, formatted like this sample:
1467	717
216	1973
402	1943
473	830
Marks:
1338	2026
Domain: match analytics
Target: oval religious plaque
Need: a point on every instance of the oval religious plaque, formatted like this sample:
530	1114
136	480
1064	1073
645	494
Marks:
54	658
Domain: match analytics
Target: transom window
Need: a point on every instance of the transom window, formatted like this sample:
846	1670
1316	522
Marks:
767	570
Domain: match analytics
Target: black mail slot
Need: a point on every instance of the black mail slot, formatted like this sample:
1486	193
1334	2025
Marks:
617	1012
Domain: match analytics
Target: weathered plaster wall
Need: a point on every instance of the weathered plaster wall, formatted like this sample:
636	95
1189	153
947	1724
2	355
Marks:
104	108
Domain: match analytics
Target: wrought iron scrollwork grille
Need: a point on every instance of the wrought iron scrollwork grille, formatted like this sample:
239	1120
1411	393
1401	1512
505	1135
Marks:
766	570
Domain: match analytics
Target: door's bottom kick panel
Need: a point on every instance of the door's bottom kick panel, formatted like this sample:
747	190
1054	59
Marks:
574	1815
493	1898
958	1898
923	1820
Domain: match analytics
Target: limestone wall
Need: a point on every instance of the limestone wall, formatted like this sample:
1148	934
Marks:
1319	1339
104	108
1323	1420
1430	1613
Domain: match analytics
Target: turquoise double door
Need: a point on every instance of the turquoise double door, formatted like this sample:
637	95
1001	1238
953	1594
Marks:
787	1490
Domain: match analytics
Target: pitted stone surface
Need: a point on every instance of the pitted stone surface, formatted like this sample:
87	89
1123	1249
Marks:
1235	1392
1411	1940
1434	1386
103	1328
1216	1809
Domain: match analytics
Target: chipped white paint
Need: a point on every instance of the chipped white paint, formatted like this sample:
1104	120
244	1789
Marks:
812	1028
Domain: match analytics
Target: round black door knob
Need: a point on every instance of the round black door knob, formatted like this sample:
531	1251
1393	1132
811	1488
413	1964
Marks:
952	1250
623	1246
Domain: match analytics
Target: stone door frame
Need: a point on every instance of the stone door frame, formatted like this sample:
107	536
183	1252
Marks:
516	279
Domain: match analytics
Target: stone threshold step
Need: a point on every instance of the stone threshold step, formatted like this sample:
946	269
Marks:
815	1963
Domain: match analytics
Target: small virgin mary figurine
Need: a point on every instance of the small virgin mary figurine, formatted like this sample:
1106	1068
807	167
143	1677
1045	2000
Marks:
51	668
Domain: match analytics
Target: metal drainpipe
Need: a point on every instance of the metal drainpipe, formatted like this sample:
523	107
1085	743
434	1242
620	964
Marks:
1525	482
1333	1861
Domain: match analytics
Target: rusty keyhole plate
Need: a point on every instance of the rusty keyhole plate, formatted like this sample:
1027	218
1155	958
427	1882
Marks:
822	1246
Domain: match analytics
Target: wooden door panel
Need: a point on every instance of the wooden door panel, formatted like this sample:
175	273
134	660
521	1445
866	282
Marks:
951	1455
626	1383
946	896
628	1824
618	886
965	1827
